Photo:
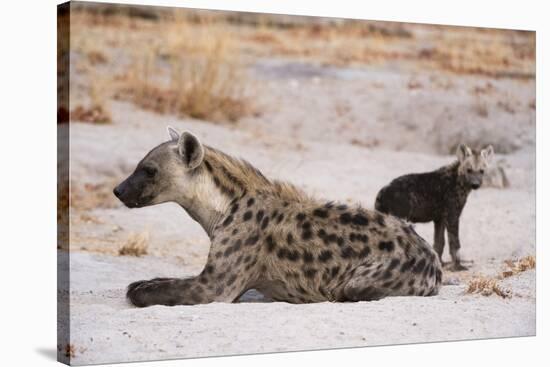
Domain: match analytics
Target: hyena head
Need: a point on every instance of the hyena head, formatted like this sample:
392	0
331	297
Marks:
473	164
169	172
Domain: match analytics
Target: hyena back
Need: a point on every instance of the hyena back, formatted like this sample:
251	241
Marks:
438	196
270	236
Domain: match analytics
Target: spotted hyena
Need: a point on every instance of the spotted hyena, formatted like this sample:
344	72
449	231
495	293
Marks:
270	236
438	196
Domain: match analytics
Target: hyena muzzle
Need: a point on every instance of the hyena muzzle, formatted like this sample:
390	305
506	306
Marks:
268	235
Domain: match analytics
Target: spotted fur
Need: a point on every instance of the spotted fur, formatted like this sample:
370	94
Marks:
270	236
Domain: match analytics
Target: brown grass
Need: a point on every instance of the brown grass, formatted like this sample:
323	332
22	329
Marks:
91	196
192	63
204	79
487	286
136	245
518	266
70	351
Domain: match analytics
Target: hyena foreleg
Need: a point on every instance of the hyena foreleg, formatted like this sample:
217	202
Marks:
205	288
454	244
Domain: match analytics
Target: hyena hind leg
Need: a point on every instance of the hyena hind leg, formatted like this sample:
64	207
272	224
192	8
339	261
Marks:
372	282
407	277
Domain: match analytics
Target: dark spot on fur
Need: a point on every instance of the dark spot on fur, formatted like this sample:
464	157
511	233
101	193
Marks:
394	263
360	220
274	214
234	208
224	241
386	246
300	217
208	166
289	239
252	240
310	273
281	254
209	269
227	221
348	252
250	202
259	215
231	279
321	233
270	243
325	256
307	234
247	216
419	266
280	218
380	220
265	222
345	218
293	255
408	265
364	252
321	213
307	256
342	207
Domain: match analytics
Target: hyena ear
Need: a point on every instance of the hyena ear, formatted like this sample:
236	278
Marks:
190	149
173	133
463	152
487	154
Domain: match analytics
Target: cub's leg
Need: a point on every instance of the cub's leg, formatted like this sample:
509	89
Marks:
454	244
439	238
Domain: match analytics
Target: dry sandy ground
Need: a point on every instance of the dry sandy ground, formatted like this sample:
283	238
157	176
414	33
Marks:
325	135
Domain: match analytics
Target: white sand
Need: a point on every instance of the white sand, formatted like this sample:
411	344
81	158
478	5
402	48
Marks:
302	139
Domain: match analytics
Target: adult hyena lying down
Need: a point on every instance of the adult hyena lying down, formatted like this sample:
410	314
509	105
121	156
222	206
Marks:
269	236
438	196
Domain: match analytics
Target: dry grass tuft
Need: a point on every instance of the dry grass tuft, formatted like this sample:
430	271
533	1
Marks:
201	75
91	196
519	266
135	245
97	110
487	286
96	114
70	351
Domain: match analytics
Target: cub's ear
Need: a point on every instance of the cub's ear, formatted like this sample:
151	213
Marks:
487	154
173	133
190	150
463	152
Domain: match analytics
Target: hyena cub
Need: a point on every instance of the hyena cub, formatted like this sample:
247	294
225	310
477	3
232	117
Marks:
438	196
269	236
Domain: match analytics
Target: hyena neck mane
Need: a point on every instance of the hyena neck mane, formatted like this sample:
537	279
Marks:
236	177
231	179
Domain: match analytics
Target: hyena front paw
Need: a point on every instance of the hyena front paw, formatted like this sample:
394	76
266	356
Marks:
158	291
457	267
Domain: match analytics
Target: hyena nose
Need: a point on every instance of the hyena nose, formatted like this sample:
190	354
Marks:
116	191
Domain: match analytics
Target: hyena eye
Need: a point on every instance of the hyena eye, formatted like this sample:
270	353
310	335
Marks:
150	171
469	170
481	171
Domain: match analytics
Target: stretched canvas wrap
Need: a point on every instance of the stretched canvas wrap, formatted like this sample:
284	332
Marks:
237	183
